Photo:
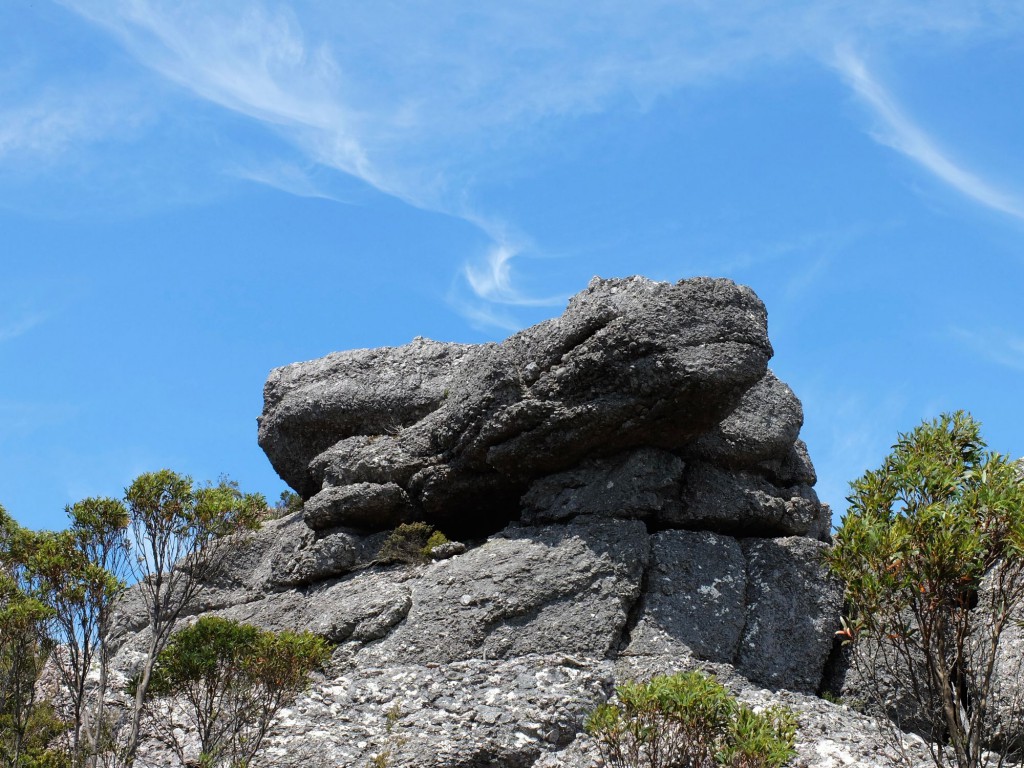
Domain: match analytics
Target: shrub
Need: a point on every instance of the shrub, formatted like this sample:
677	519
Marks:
932	555
287	504
436	539
24	646
232	679
411	543
689	720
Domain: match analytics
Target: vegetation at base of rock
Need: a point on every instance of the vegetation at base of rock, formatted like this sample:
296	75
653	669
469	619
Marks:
57	595
437	539
689	720
80	573
932	555
229	680
411	543
175	531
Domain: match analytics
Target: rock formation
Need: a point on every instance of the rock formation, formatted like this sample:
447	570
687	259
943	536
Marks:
633	498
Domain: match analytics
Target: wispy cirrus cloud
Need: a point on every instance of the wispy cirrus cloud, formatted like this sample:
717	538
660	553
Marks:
899	132
59	120
13	328
997	345
417	103
19	419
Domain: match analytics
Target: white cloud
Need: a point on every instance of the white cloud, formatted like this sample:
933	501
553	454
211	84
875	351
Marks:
899	132
1004	348
59	120
288	177
12	329
417	100
492	280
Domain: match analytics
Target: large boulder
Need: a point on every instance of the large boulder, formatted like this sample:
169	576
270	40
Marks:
464	430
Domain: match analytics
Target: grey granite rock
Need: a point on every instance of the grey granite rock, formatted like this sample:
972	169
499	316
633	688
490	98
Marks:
764	424
794	468
616	477
310	406
630	363
320	559
360	505
694	603
527	590
476	712
745	503
793	609
642	484
357	609
446	550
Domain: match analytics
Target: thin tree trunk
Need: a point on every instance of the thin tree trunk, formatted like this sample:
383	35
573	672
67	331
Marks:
94	734
140	696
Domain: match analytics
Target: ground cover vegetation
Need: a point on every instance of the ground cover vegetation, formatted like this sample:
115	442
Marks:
932	555
58	595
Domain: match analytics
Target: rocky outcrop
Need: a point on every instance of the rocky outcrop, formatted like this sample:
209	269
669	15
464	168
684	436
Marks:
456	435
631	497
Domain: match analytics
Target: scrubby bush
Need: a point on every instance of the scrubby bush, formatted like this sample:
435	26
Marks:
24	650
289	503
436	539
932	555
231	680
689	720
411	543
57	596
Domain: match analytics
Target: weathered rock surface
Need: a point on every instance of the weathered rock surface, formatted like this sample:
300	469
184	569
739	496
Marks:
629	496
464	430
643	485
791	613
695	603
556	589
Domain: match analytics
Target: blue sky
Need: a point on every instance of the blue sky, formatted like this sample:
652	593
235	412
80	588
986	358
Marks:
193	193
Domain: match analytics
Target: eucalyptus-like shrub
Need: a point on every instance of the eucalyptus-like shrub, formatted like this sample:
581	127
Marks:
932	555
230	679
176	531
689	720
24	649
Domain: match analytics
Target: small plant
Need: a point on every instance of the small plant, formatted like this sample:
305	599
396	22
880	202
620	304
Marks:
411	543
436	539
689	720
832	698
383	758
289	503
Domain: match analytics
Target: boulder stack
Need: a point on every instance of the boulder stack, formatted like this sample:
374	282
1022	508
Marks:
630	495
